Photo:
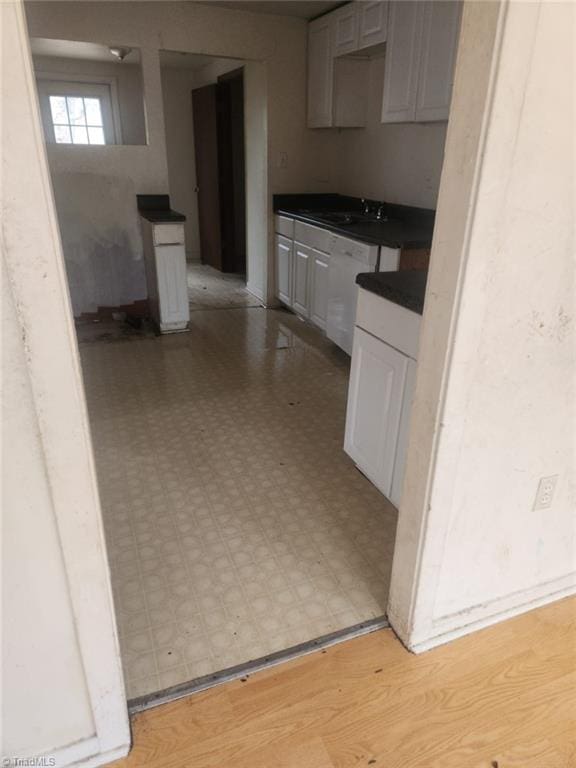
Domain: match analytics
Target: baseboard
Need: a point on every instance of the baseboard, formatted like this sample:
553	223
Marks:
443	630
255	292
104	758
82	754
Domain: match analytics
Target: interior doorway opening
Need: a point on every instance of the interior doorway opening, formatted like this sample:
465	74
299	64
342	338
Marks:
204	108
237	527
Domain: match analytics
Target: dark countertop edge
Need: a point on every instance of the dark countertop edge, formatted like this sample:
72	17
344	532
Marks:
163	216
348	231
406	288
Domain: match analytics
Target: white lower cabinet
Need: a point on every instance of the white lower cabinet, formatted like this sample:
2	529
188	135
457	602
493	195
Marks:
172	287
319	288
302	276
284	253
301	279
381	389
165	264
375	396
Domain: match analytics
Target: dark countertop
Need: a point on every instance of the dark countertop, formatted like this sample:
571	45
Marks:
162	216
156	208
403	226
406	288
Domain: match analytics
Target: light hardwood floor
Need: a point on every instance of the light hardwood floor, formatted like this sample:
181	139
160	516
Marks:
504	696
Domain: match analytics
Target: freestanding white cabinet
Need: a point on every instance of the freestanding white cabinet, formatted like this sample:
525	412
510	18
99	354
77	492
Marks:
165	261
420	59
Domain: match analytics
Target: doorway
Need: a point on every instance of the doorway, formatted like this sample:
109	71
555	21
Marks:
204	107
218	113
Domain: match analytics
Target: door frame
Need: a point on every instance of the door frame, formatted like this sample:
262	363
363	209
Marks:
34	268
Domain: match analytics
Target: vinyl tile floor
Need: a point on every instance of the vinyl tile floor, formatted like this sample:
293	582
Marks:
210	289
236	525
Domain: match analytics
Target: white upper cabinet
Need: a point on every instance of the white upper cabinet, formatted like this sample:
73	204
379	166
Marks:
339	44
402	62
372	23
320	73
345	22
440	28
420	58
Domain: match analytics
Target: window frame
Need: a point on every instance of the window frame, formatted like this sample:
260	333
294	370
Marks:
86	86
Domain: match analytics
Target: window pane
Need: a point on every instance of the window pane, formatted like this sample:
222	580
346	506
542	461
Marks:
96	135
62	134
79	135
76	111
58	108
93	111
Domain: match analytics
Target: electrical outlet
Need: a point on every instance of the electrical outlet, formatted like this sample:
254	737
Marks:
545	492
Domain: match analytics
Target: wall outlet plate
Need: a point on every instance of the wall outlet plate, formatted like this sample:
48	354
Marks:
545	492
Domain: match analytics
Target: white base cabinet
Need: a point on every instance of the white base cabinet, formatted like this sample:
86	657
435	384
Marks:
301	280
380	396
165	263
376	394
302	274
284	255
319	288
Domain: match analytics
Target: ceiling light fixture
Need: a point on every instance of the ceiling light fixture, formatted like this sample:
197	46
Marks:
120	53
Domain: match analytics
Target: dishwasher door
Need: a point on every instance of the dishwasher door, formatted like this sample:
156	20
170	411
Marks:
345	264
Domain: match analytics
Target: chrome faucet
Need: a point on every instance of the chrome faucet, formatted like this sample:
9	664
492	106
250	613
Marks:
365	206
380	213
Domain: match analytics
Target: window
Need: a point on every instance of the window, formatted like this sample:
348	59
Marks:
77	120
81	113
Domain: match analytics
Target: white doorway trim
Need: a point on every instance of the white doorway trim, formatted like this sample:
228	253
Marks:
35	271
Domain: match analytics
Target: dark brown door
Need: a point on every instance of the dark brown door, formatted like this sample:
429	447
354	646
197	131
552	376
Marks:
207	174
230	104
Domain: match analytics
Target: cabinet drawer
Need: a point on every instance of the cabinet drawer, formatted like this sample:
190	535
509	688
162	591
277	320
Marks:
397	326
315	237
168	234
367	254
284	226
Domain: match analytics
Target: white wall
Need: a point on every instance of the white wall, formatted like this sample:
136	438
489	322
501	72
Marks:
62	688
128	79
274	42
495	397
397	162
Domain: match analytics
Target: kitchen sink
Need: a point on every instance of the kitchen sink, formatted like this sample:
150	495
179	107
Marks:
344	218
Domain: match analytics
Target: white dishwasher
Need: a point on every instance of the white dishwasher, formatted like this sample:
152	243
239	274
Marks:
348	259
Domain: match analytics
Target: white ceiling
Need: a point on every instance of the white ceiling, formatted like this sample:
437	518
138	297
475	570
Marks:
71	49
181	60
302	9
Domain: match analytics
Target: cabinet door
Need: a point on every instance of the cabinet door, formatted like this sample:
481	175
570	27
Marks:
319	289
402	62
284	248
345	29
372	23
375	394
172	287
301	279
440	34
403	434
320	73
